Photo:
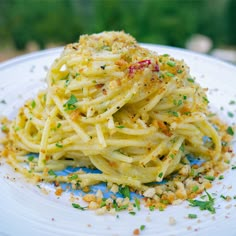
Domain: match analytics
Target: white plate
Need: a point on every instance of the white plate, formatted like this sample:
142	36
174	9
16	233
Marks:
25	210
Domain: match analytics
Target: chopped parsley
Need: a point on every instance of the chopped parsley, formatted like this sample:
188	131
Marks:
232	102
52	173
160	175
124	191
179	71
119	208
132	213
230	114
16	128
178	103
33	104
221	177
204	205
208	177
30	158
230	131
223	197
142	227
195	188
67	82
171	63
224	144
205	99
120	126
73	177
172	155
103	203
137	204
174	113
4	128
169	74
190	80
192	216
77	206
58	125
70	104
182	149
59	145
152	208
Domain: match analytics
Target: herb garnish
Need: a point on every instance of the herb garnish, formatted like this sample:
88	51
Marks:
59	145
119	208
208	177
132	213
73	177
33	104
204	205
205	99
51	172
195	188
171	63
160	175
4	128
124	191
77	206
230	131
70	104
174	113
190	80
179	71
142	227
192	216
30	158
230	114
120	126
137	204
221	177
152	208
169	74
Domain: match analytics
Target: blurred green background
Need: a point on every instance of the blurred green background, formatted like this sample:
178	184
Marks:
29	25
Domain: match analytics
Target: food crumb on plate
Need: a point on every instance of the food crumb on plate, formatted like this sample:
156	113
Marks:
172	221
136	232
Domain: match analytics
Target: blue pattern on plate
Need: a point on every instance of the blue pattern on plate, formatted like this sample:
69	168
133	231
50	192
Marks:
102	186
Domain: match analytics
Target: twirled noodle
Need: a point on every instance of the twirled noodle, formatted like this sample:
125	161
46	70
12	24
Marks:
118	107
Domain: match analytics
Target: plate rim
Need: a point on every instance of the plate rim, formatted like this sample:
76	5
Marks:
49	51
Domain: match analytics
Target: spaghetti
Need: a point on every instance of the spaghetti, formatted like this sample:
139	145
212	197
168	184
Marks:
115	106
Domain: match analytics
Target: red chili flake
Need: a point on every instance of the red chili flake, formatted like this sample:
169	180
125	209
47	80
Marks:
156	68
142	64
99	86
145	62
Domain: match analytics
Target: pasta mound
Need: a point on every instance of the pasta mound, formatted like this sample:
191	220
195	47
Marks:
120	108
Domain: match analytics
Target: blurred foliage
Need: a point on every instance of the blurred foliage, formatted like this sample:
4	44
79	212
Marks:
169	22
